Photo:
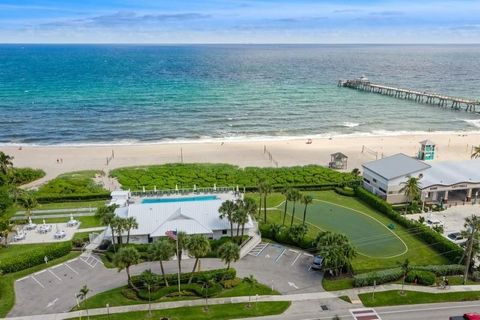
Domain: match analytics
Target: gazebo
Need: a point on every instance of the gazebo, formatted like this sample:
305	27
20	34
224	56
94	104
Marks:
338	161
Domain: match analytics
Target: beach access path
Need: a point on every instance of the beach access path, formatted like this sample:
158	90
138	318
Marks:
359	150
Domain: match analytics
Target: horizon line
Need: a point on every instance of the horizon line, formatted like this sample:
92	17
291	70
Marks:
240	43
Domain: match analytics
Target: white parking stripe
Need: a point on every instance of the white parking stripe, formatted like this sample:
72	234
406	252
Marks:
281	254
24	278
54	267
53	274
308	254
66	265
41	285
296	251
298	256
39	272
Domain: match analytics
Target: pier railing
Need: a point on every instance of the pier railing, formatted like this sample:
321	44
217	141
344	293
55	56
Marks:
444	101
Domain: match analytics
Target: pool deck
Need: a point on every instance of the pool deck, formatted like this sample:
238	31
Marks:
230	195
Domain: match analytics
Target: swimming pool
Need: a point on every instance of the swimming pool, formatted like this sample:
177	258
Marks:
183	199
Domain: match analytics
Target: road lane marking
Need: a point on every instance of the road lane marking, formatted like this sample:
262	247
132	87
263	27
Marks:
52	303
41	285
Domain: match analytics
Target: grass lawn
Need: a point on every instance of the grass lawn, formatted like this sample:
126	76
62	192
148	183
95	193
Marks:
70	205
86	222
393	297
115	297
217	312
13	250
7	294
419	253
337	284
79	182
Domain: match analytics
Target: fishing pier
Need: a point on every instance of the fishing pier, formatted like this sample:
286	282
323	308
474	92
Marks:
454	103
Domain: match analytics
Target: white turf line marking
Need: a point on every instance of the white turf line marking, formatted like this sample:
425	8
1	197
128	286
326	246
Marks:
66	265
281	254
41	285
53	274
298	256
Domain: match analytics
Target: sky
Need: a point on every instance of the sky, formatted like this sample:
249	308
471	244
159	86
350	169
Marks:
239	21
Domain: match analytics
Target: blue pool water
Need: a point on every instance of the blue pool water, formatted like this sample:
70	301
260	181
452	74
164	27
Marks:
184	199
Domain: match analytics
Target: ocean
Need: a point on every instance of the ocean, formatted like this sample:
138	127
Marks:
124	94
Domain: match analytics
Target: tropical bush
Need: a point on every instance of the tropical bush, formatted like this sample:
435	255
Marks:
345	191
206	175
285	237
443	270
231	283
215	275
73	183
425	278
45	198
30	258
5	200
21	176
379	277
447	248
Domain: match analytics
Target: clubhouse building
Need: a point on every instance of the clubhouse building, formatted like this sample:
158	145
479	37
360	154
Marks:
193	214
440	182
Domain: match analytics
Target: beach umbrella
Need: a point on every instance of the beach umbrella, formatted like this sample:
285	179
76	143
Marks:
29	220
71	216
143	189
44	223
176	187
214	187
155	188
194	187
237	187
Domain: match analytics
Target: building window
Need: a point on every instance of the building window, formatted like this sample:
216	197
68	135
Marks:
383	190
366	180
374	180
224	231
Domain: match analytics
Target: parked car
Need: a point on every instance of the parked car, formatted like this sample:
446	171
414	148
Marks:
317	262
434	222
456	237
467	316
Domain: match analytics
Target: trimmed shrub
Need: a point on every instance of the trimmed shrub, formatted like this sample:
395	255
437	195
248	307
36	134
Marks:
216	275
382	276
232	283
25	175
45	198
425	278
475	276
346	191
443	270
129	294
30	259
444	246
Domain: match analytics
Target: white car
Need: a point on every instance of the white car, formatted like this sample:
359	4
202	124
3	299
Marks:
456	237
434	222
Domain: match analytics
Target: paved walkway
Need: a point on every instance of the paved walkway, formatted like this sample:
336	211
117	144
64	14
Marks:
60	215
90	209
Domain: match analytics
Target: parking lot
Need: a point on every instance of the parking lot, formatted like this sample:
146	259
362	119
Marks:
287	270
452	218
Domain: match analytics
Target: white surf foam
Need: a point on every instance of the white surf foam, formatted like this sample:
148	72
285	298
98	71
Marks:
473	122
351	124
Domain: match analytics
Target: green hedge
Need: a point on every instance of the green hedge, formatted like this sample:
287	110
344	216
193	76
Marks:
30	259
25	175
284	238
194	288
443	270
425	278
383	276
346	191
45	198
217	275
206	175
447	248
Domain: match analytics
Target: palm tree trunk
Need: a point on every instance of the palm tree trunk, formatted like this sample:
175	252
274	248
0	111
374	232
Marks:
284	213
228	265
86	308
238	230
304	214
243	232
293	214
231	229
193	271
179	259
469	256
128	236
163	274
265	207
113	240
260	206
129	281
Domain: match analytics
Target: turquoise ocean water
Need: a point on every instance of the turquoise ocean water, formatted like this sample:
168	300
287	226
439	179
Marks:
102	94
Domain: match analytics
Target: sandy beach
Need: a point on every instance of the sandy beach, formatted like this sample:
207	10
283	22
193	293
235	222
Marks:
283	153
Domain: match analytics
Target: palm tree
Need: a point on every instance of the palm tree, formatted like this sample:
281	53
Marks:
287	193
162	250
405	266
411	189
6	163
5	228
197	246
82	295
296	195
118	225
229	252
249	209
28	202
267	189
148	281
181	243
129	224
227	210
107	216
306	200
251	282
124	259
476	152
472	224
336	250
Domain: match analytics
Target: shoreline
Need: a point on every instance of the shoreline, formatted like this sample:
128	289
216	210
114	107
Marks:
453	146
242	139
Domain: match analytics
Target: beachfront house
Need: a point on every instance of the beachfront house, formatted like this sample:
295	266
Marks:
427	150
440	182
197	214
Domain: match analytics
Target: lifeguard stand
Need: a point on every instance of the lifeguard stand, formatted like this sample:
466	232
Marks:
427	150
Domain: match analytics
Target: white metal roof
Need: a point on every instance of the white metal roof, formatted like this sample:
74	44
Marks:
191	217
396	166
120	193
448	173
